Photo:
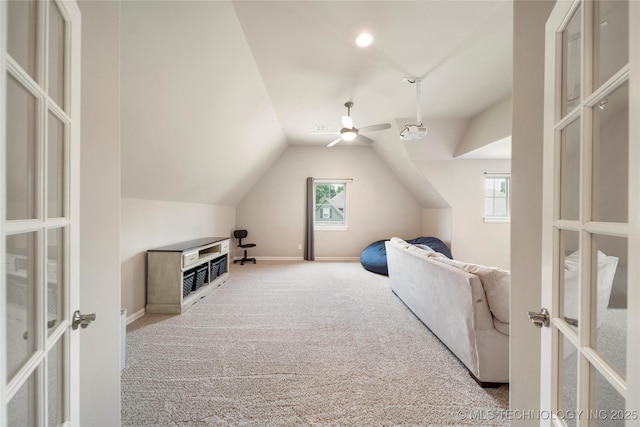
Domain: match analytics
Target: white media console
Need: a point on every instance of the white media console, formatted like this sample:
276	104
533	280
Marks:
179	275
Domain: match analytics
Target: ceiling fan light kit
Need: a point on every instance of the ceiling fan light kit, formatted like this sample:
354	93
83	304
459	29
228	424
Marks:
350	132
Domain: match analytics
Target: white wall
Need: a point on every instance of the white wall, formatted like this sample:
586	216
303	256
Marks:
396	157
378	205
526	202
490	126
437	222
100	214
197	122
148	224
461	183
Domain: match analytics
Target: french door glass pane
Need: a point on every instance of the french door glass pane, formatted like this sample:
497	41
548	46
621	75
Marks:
569	275
567	379
611	157
611	39
55	165
55	277
22	34
55	383
56	80
570	172
607	406
21	152
609	288
571	62
22	409
21	294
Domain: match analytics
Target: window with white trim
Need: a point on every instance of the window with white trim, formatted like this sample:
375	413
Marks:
330	205
497	198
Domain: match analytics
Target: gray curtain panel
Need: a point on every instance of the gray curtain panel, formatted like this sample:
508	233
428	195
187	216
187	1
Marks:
308	230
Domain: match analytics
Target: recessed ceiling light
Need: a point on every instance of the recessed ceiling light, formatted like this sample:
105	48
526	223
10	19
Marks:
364	39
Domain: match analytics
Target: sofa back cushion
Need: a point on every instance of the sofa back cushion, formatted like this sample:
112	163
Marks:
495	281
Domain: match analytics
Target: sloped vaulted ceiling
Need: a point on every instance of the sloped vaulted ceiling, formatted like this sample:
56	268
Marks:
213	92
197	123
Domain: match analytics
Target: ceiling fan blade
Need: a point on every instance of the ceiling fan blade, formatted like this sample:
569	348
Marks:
347	122
372	128
362	138
334	142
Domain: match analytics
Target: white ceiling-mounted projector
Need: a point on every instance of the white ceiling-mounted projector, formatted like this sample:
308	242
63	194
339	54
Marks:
414	132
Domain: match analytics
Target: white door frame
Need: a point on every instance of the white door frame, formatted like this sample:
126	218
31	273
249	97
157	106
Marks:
3	133
74	190
633	302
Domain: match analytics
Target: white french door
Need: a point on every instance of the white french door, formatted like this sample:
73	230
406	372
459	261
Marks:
40	216
591	215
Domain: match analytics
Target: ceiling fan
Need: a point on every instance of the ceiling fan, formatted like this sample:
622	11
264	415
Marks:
349	132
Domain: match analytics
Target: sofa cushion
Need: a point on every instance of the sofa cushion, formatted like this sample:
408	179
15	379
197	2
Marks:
501	327
495	281
497	287
425	247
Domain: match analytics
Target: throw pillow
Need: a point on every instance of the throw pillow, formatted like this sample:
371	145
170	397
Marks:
497	287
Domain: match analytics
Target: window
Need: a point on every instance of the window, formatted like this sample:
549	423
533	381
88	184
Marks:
330	205
497	198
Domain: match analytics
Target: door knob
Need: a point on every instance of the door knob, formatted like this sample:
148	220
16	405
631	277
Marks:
540	318
82	319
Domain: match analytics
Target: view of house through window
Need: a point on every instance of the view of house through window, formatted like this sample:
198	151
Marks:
330	205
497	198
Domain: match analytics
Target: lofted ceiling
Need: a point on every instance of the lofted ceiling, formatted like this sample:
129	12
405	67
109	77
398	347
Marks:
310	65
212	92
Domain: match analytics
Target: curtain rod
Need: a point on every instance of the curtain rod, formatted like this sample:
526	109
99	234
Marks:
332	179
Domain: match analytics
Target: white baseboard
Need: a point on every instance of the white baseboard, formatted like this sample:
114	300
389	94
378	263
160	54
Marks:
135	316
273	258
338	259
285	258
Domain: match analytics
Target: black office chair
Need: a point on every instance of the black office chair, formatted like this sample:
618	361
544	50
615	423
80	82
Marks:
241	234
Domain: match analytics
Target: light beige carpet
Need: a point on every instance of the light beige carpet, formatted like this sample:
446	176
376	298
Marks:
297	344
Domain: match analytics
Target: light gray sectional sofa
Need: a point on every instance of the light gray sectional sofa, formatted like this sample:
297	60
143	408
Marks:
466	306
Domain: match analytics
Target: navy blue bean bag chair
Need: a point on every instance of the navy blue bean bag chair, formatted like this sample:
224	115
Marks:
374	257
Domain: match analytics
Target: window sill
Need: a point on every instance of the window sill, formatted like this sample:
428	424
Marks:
331	228
497	219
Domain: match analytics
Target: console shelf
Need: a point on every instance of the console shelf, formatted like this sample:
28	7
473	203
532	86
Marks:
179	275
